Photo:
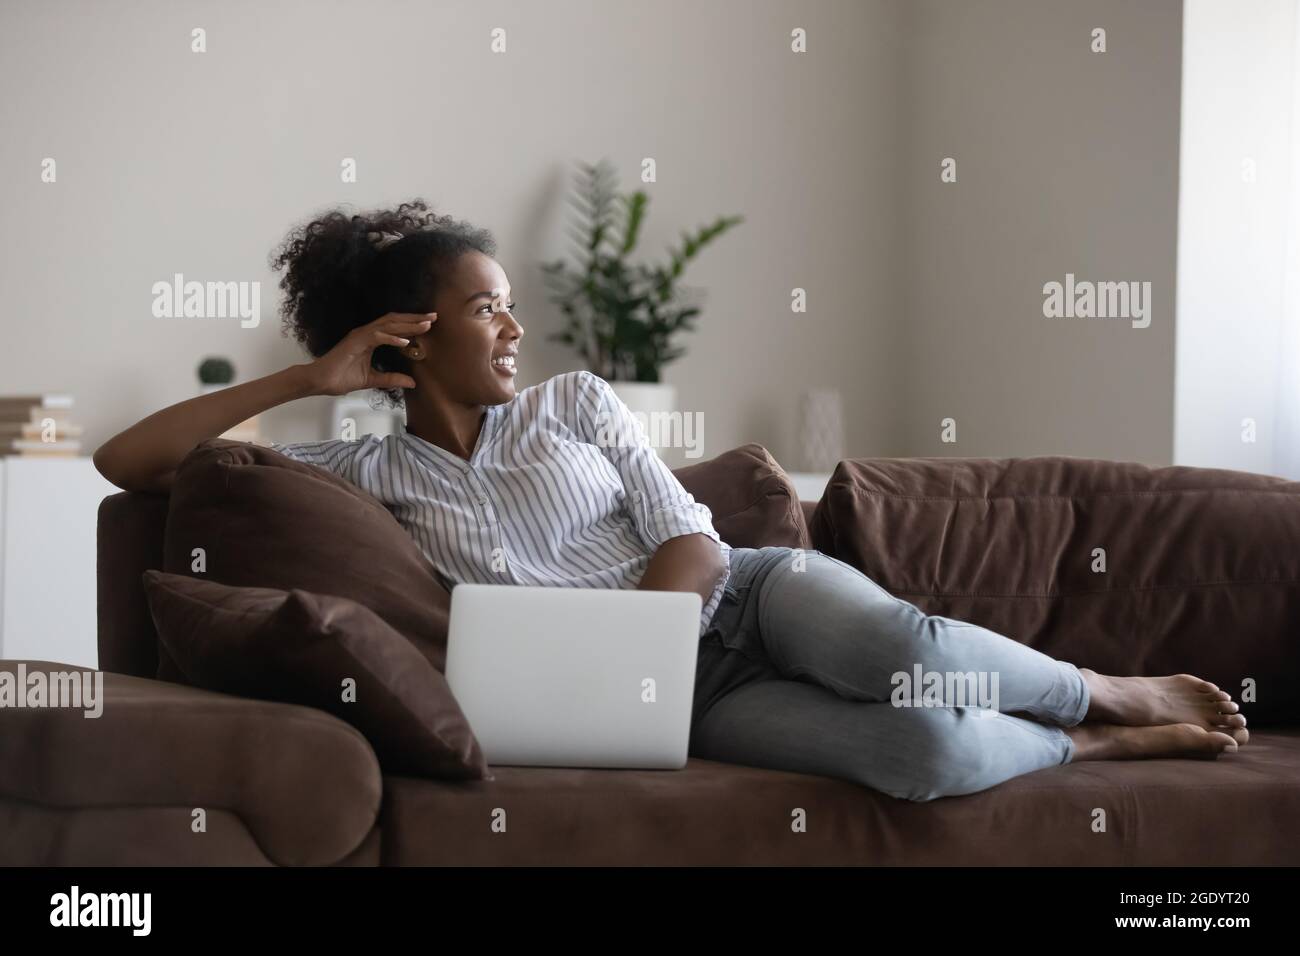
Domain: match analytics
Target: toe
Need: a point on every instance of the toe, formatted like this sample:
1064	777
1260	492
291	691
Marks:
1227	740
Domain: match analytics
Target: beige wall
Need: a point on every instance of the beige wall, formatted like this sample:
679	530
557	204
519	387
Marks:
924	298
1067	162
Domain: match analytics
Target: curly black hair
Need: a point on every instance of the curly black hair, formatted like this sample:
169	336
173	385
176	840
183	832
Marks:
338	278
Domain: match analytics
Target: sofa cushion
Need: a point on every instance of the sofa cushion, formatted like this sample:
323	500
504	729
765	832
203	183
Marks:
753	502
1159	812
247	516
300	648
1201	569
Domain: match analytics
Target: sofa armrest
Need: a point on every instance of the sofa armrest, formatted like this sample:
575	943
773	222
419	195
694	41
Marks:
1201	570
305	785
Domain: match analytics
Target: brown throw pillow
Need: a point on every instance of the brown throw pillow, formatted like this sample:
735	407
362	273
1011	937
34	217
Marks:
247	516
753	502
300	648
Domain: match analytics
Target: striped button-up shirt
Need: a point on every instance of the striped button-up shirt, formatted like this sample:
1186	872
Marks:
562	489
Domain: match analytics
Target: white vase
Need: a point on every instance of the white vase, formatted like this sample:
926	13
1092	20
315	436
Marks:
821	429
357	414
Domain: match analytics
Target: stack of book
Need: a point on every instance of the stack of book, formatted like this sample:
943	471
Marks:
38	426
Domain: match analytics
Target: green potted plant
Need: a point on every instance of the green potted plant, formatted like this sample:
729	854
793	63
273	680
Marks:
621	315
215	373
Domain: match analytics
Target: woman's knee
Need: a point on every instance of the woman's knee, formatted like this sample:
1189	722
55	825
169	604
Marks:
933	758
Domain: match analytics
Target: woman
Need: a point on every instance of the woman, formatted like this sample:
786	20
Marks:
800	653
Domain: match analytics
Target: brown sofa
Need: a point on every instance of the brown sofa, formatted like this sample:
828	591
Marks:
1201	576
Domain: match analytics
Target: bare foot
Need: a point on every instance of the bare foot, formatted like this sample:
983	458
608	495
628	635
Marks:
1113	742
1161	701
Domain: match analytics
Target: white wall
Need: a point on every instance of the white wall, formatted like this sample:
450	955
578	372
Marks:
171	161
924	300
1067	162
1237	256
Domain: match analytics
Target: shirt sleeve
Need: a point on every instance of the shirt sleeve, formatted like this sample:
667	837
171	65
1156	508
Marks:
660	507
334	454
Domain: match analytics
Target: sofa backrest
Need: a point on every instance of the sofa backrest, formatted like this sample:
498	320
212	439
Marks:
754	504
129	542
1121	567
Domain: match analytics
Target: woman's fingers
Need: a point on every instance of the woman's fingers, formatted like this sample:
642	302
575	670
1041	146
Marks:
404	321
384	338
391	331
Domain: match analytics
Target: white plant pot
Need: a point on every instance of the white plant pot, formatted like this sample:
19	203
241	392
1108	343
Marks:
653	402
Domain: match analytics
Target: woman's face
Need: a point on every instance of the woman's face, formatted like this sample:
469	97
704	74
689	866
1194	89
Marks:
474	326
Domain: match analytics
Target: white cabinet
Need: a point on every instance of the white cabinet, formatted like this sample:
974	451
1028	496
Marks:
48	512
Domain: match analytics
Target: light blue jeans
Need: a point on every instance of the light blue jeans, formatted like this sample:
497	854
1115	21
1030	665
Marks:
799	667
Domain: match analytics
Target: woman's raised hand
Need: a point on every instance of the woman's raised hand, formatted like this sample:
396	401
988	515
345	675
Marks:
346	367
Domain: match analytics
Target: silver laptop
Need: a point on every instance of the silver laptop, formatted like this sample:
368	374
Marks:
575	677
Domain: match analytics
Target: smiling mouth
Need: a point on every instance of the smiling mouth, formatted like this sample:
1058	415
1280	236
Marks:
504	365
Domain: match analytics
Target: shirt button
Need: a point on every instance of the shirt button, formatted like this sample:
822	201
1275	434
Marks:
482	499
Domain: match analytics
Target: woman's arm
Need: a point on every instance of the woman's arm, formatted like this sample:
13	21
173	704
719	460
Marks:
686	551
146	455
689	562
